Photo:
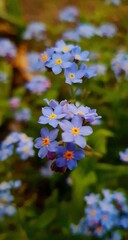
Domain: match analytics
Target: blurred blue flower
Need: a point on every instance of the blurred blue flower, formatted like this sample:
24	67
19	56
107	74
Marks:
71	35
106	30
38	84
35	30
23	114
124	155
69	14
86	30
7	48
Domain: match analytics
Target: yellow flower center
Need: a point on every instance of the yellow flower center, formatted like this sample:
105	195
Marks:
68	155
8	139
3	200
44	57
58	61
93	212
65	48
52	116
75	131
99	229
77	56
46	141
71	75
79	112
26	149
105	217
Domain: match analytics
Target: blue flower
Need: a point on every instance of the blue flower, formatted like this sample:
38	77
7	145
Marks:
74	131
124	155
61	46
6	152
46	143
68	156
73	75
23	115
92	198
35	30
59	61
71	35
38	84
106	30
33	61
87	113
25	150
45	57
69	14
86	30
7	48
78	55
50	116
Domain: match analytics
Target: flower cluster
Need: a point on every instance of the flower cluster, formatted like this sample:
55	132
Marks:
7	48
38	84
124	155
69	122
119	64
35	30
69	14
86	30
23	143
6	199
67	56
103	213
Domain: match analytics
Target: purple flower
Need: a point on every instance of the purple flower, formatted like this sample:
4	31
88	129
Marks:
73	75
59	61
46	143
124	155
74	131
68	156
61	46
50	116
78	55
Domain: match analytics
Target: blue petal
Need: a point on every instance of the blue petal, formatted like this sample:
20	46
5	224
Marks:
67	137
60	162
80	141
71	164
42	152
